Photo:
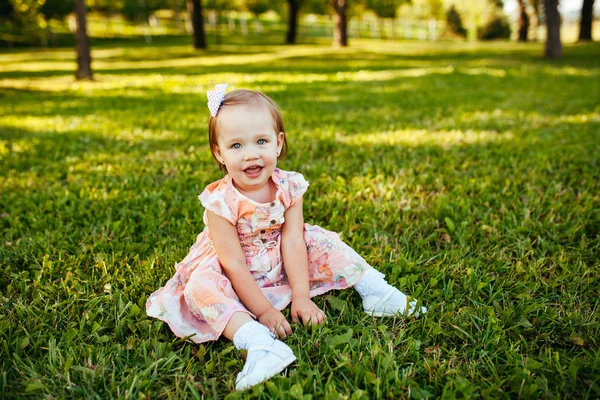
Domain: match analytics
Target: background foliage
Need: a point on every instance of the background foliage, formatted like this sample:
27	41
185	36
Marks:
30	21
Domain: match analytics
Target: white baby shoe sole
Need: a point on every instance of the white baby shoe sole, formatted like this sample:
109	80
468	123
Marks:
279	357
378	307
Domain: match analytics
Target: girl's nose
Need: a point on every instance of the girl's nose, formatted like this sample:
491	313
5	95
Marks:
251	154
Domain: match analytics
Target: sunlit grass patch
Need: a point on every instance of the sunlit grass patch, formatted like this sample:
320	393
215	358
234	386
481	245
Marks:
420	137
369	76
571	71
484	71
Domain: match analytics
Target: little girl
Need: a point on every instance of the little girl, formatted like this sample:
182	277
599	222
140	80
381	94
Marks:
256	254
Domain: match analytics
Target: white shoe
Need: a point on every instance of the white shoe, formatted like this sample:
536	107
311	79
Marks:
279	356
380	307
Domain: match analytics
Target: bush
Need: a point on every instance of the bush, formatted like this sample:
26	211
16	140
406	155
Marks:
454	22
496	28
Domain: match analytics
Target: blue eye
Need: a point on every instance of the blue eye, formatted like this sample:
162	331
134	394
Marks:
236	146
261	141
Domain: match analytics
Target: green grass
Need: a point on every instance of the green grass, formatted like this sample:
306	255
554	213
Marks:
467	173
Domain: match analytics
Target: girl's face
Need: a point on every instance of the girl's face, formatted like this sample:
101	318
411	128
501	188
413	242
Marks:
248	145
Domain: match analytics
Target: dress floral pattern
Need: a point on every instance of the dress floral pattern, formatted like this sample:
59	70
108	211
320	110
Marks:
198	300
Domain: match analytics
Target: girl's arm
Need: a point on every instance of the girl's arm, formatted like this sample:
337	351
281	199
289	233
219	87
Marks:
295	262
231	256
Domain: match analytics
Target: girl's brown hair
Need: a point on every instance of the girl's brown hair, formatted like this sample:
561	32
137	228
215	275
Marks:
240	97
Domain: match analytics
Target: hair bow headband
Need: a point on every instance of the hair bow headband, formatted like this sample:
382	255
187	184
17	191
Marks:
215	97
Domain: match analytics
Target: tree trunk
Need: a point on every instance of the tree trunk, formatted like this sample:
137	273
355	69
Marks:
587	16
553	44
82	43
523	21
340	33
294	11
195	10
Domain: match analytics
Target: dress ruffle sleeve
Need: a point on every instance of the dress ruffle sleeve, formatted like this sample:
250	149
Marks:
296	187
213	198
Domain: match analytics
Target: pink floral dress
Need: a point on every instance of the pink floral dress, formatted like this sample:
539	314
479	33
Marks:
199	299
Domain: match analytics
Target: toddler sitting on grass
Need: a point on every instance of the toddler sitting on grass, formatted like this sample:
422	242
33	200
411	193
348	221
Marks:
256	255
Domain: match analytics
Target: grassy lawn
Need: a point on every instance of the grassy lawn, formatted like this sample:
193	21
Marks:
467	173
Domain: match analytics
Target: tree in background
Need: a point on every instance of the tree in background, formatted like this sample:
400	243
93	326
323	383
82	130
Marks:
535	18
430	9
497	26
454	22
385	9
25	19
523	21
553	43
55	9
319	7
82	43
293	14
436	9
294	8
195	10
139	10
6	10
340	32
218	6
257	7
108	7
587	16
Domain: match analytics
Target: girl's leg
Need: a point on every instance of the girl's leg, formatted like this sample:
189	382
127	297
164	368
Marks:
380	299
335	265
207	307
210	297
211	294
332	264
235	322
266	355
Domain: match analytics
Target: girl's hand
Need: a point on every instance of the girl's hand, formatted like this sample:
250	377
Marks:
304	309
276	322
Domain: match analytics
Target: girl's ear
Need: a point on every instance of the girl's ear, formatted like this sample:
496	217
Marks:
280	137
217	153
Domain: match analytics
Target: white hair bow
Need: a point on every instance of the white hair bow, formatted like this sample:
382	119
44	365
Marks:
215	97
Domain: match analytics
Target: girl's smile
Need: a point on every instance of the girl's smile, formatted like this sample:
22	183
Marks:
253	171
